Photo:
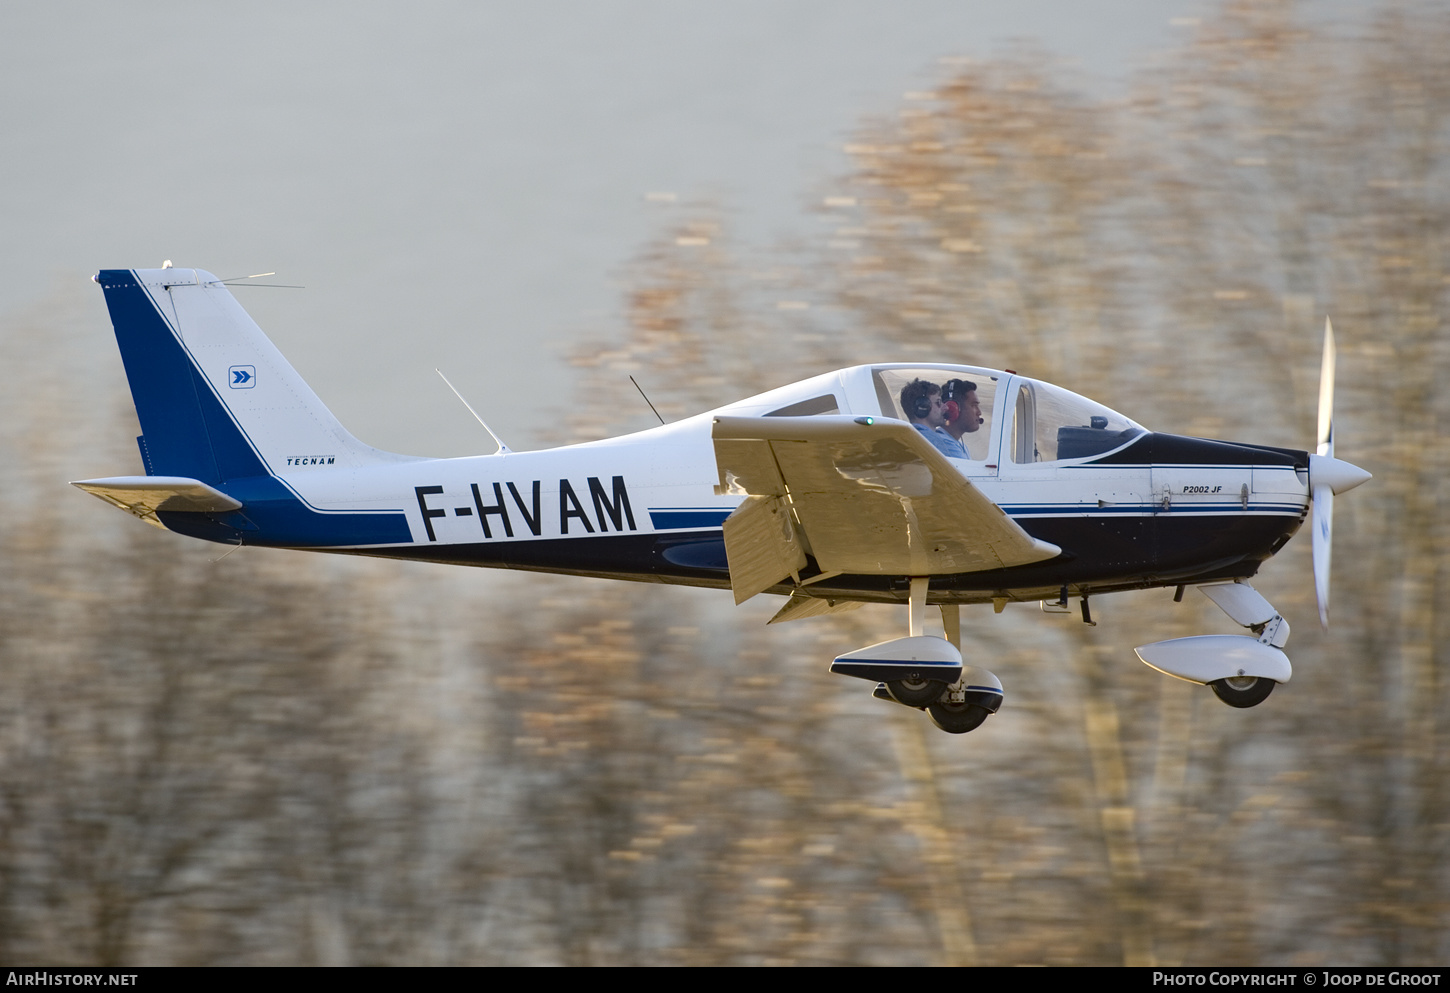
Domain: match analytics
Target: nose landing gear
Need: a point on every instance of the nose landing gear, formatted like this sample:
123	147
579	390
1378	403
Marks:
1242	671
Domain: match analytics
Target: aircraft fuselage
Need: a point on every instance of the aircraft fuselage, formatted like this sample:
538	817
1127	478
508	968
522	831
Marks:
1163	511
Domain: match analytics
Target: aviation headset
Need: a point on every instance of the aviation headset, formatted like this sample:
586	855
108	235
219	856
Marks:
918	408
951	395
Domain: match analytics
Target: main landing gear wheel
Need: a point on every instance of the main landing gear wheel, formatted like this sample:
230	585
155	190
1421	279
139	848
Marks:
957	718
916	692
1243	691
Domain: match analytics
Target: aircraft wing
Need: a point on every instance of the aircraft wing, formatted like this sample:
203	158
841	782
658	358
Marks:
866	496
143	496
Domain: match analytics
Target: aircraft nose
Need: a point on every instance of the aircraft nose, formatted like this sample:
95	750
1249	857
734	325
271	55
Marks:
1337	474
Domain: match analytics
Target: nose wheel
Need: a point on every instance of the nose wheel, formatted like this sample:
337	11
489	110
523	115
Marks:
1242	671
1242	691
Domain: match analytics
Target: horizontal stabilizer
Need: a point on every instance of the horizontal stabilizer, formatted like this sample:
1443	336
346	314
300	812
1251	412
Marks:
143	496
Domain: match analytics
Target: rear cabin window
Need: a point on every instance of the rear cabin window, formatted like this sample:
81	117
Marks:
809	408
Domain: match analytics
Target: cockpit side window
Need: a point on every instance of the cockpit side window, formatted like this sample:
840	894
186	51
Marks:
968	397
827	404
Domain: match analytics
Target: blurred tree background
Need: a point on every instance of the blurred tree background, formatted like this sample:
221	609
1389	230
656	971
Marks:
281	758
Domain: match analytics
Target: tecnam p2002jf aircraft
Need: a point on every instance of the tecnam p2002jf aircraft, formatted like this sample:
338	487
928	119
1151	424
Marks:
826	491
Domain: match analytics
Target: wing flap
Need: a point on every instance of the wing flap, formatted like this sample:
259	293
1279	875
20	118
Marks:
761	546
143	496
873	497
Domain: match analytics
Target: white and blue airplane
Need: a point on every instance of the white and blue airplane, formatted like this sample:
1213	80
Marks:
826	492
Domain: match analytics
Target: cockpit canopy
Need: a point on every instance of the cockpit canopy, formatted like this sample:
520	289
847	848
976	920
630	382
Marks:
1021	421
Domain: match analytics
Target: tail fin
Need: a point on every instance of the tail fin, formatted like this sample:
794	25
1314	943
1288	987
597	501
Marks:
216	400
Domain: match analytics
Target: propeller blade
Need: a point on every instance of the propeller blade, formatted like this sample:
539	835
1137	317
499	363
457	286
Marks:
1326	392
1327	476
1323	524
1320	492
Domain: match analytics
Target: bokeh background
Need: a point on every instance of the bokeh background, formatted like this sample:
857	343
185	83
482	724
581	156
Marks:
280	758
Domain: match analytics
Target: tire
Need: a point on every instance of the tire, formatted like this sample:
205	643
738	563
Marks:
1243	691
916	692
958	718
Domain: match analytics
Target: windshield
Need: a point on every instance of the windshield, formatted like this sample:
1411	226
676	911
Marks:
1051	424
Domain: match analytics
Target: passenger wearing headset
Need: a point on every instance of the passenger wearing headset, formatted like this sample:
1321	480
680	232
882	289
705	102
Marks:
922	403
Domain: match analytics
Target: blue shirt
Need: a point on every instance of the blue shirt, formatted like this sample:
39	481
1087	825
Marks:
943	442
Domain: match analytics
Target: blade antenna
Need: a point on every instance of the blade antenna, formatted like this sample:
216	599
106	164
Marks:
646	399
502	448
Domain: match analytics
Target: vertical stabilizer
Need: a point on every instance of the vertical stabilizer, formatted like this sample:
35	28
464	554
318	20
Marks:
215	398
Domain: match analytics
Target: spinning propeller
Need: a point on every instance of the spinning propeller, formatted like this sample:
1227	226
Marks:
1327	476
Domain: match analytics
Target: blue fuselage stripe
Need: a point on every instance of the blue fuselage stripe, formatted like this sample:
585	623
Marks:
700	518
692	518
1093	510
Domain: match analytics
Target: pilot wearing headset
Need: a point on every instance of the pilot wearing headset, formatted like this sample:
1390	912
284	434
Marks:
922	403
962	414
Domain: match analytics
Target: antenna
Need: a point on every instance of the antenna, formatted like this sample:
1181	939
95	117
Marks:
227	552
641	393
237	281
502	448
